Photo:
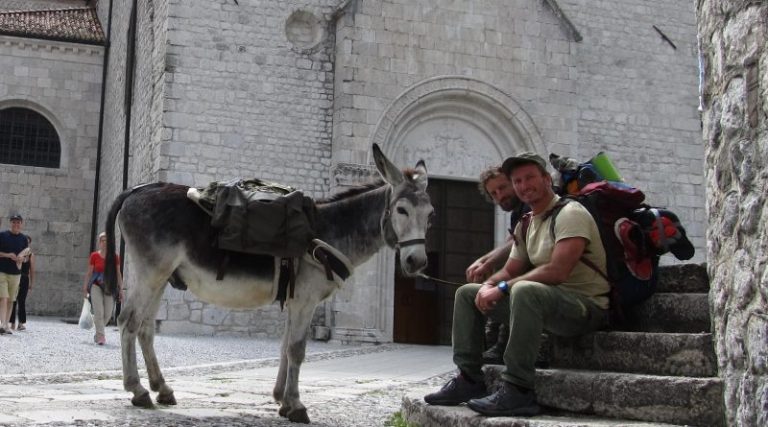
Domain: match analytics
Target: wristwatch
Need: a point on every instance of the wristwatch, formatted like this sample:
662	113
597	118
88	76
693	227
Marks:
503	287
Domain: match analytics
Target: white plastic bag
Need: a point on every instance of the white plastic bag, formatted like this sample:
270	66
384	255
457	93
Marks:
86	318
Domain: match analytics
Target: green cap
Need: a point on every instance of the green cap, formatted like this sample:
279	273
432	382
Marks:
526	158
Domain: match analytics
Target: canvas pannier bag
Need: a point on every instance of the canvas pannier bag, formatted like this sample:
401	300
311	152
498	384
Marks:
261	217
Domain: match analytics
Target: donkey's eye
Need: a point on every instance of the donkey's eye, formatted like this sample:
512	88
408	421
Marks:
401	210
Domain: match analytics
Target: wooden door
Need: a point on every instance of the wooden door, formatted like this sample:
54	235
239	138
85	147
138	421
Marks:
461	231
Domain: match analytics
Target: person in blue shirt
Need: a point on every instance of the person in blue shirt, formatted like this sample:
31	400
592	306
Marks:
13	251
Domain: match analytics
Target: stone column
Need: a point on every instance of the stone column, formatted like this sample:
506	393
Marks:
363	309
733	38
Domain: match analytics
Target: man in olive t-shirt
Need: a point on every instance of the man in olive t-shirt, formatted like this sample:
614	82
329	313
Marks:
544	286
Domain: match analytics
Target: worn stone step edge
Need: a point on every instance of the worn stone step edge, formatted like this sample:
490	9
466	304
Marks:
679	354
683	278
666	399
417	412
663	312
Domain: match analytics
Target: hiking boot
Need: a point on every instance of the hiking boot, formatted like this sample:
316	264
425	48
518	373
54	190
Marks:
507	401
456	391
494	355
639	266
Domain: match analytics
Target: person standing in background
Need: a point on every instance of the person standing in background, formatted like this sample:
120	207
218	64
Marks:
101	300
12	252
25	284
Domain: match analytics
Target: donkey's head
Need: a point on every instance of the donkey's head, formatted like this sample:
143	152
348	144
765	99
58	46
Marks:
408	211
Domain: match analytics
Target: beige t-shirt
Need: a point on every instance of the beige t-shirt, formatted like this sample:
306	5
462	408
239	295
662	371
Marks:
573	221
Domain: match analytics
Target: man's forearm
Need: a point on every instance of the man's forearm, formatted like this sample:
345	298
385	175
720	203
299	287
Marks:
499	256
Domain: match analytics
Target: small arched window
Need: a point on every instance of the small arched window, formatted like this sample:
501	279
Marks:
28	138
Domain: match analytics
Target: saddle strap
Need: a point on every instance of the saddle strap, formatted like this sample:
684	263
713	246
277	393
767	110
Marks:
323	258
223	262
286	283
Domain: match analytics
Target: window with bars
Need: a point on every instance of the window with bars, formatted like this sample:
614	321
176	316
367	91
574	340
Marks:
28	138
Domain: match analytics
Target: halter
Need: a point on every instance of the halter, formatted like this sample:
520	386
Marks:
389	233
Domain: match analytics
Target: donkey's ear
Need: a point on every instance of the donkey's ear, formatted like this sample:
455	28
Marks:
420	177
387	169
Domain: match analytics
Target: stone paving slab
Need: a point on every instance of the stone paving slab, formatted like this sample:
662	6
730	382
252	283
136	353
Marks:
347	387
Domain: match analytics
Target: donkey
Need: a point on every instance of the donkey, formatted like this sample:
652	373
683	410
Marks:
169	238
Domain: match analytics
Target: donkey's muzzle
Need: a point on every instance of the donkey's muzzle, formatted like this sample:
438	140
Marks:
413	260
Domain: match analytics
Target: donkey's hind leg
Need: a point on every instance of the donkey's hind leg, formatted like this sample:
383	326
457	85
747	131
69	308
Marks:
293	351
146	341
138	310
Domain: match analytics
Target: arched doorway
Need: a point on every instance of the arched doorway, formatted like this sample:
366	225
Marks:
460	126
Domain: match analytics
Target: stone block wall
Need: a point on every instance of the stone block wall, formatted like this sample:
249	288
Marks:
637	100
592	76
113	133
221	90
244	100
735	98
62	82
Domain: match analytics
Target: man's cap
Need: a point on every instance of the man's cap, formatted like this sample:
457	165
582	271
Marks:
16	216
526	158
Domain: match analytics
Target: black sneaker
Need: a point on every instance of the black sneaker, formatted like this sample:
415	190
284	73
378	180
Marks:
507	401
456	391
4	331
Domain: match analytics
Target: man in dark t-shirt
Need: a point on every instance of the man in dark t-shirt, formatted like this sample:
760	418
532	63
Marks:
495	186
13	249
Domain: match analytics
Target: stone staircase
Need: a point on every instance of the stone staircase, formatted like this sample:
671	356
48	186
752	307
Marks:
659	368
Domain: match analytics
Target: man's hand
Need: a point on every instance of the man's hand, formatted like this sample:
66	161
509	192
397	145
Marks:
478	271
487	297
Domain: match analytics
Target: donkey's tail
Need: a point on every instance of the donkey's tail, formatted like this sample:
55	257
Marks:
110	272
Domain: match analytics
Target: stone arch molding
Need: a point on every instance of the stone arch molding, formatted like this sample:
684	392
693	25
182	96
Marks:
45	112
459	125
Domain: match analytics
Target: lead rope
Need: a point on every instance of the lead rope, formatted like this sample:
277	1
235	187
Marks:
435	279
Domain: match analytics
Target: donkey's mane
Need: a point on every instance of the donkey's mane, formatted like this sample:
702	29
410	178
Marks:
409	173
351	192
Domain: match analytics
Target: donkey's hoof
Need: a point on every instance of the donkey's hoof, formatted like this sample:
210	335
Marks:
166	399
142	401
298	416
283	411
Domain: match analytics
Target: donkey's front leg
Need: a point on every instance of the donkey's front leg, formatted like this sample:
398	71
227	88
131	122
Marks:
294	348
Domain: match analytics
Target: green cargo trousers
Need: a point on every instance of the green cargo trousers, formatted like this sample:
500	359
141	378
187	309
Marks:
530	309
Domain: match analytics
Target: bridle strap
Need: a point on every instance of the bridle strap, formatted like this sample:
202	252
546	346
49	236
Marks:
411	242
386	222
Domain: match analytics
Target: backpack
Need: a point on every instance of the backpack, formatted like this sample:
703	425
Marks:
631	264
633	233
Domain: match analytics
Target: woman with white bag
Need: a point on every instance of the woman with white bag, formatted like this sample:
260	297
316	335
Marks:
101	298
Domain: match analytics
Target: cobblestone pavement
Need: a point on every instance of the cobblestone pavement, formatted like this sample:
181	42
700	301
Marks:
52	374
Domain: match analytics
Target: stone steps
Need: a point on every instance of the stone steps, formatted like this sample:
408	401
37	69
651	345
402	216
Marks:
665	399
609	397
683	279
690	355
418	413
658	367
669	312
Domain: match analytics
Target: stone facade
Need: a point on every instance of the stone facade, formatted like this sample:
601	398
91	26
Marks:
61	81
735	99
296	92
